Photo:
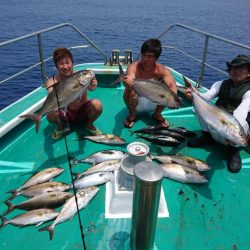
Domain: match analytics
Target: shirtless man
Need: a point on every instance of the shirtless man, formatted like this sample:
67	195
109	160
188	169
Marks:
79	110
146	68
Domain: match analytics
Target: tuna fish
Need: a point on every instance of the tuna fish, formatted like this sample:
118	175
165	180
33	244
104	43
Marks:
69	209
160	140
67	90
219	122
155	91
34	217
183	174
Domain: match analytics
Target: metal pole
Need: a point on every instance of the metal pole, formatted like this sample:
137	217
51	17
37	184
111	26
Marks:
147	189
41	57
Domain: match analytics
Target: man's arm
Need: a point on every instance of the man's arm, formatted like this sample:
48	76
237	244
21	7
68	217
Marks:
169	79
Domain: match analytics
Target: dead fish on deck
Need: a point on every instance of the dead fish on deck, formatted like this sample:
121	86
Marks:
165	132
40	177
94	179
34	217
69	209
106	166
183	174
156	91
153	129
160	140
182	131
101	156
49	200
68	90
108	139
218	121
41	188
183	160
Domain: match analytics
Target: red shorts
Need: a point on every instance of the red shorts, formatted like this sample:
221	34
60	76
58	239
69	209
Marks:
73	116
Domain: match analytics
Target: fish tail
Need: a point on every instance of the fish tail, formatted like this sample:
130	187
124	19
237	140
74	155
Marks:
35	117
187	83
131	132
49	228
121	75
10	208
14	194
4	221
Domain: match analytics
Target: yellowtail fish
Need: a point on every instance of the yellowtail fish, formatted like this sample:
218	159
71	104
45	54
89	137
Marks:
84	196
183	174
108	139
183	160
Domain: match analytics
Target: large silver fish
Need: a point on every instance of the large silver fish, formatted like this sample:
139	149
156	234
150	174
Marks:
34	217
101	156
40	177
106	166
108	139
41	188
183	160
222	126
93	179
67	91
49	200
155	91
182	174
69	209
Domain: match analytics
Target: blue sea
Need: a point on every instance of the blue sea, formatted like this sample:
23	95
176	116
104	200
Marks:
115	24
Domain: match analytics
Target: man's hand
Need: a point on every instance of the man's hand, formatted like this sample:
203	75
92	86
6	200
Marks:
93	84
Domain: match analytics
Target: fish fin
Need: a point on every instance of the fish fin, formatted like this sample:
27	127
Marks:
35	117
4	221
39	224
121	75
187	83
48	228
10	208
14	194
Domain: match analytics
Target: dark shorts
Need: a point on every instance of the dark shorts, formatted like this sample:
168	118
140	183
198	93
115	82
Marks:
73	116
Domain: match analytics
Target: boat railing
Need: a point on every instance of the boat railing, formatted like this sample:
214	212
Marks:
42	61
203	61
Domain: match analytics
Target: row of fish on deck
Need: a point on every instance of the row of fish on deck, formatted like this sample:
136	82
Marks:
45	194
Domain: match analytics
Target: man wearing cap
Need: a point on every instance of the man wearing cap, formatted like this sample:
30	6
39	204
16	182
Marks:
234	96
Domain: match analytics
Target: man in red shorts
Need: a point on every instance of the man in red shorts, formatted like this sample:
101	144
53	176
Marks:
79	110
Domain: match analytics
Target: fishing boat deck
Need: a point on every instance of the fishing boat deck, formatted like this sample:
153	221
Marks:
201	216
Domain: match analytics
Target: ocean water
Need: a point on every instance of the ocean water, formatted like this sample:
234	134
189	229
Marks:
120	25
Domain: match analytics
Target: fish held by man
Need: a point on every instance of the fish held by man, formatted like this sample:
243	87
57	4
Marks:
33	217
155	91
219	121
65	92
183	174
83	196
